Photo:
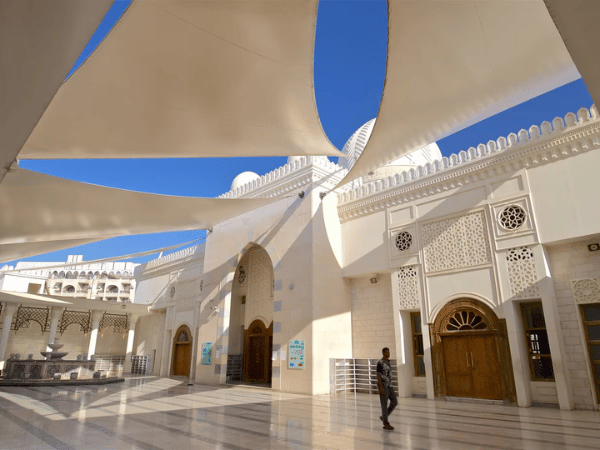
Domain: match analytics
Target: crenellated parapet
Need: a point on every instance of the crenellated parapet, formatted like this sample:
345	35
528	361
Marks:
196	251
284	179
540	144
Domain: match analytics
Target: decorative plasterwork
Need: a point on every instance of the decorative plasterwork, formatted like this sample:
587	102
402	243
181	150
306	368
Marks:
408	288
586	290
529	148
187	293
291	177
455	243
499	210
521	273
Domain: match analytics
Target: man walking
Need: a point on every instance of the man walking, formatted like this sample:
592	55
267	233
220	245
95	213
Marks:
386	389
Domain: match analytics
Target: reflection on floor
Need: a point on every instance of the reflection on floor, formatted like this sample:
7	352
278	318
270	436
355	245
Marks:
161	413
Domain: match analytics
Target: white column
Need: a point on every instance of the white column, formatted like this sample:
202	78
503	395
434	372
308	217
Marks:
554	330
96	317
194	346
10	310
130	336
518	352
56	314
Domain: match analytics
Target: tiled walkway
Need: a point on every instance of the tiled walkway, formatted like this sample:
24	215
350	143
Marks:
160	413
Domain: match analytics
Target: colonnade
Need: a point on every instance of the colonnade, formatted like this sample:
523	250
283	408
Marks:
56	313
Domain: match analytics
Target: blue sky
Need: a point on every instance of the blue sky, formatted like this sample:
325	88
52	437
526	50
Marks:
349	68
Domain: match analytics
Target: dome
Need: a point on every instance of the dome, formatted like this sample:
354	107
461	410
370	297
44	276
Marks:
244	178
357	142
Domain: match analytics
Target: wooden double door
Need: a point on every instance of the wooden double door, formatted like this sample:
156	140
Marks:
258	346
471	366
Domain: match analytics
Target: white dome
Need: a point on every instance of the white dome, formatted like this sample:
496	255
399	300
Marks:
357	142
244	178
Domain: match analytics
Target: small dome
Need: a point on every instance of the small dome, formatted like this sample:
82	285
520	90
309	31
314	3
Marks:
357	142
244	178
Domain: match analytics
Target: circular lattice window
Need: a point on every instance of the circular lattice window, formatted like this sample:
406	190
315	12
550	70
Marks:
403	240
512	217
465	321
172	291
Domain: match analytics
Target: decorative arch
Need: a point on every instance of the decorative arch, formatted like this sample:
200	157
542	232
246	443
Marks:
182	351
459	322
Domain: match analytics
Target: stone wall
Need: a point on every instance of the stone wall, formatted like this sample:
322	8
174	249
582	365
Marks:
372	317
568	262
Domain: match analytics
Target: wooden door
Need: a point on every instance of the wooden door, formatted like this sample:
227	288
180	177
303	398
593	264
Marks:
257	353
182	351
182	359
471	365
485	369
459	382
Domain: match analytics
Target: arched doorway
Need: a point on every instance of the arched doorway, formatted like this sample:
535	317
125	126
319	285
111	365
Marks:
258	346
470	353
251	319
182	351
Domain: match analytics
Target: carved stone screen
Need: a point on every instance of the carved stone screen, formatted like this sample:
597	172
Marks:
408	288
456	243
521	273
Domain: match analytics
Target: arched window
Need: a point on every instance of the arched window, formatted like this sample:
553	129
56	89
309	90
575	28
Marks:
61	274
69	289
113	290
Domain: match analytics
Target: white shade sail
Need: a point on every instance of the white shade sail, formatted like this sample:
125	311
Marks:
40	41
41	213
192	79
577	21
454	63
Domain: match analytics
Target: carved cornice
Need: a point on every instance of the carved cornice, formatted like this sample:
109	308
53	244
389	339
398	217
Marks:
527	149
291	177
186	258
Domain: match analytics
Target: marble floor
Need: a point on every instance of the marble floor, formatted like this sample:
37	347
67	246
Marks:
153	413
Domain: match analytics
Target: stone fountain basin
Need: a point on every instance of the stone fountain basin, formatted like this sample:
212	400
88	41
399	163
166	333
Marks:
55	346
54	355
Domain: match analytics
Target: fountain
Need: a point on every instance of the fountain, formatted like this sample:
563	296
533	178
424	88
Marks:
54	355
52	370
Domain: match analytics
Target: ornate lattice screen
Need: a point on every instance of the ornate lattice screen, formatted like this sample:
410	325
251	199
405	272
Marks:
408	287
456	243
521	273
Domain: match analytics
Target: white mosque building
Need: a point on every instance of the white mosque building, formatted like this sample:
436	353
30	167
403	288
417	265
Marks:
481	273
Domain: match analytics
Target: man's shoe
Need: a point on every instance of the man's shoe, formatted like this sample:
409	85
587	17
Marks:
387	426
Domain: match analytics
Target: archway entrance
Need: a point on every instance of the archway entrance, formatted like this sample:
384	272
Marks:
182	351
258	346
250	341
470	353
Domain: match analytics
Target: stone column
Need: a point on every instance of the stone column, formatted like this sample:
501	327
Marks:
56	314
10	310
96	317
130	336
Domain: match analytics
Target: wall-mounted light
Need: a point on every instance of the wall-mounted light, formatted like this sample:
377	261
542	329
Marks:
374	279
594	247
301	194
